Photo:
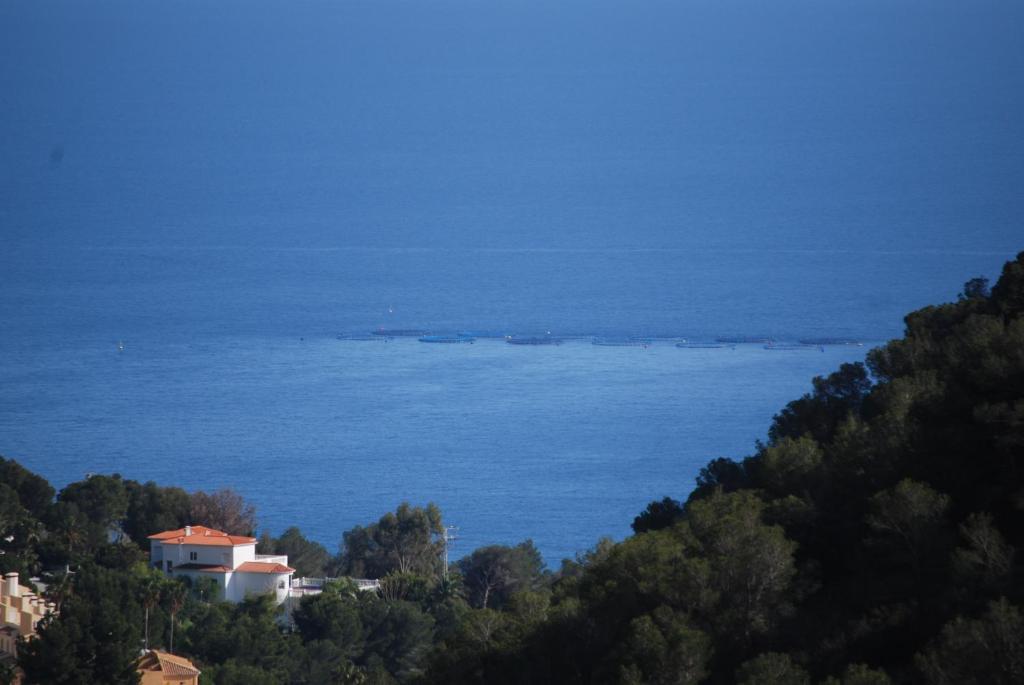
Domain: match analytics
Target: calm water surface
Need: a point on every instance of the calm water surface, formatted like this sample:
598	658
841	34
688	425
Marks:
226	186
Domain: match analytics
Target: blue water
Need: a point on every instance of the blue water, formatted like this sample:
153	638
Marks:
226	186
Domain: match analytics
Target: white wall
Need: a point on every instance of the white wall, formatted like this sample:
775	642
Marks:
242	584
213	555
242	554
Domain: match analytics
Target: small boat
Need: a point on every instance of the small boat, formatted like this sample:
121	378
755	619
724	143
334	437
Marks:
745	340
120	345
533	341
400	332
449	339
704	346
621	342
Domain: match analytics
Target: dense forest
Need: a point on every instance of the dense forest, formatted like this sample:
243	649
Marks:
870	539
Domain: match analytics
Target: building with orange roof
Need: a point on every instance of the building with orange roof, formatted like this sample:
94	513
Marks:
230	560
21	609
161	668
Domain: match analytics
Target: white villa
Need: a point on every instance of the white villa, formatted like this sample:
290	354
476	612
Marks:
231	560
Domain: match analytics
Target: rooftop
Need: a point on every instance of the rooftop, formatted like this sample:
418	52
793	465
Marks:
169	664
263	567
201	535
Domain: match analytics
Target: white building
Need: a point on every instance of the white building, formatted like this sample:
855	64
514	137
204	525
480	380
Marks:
231	560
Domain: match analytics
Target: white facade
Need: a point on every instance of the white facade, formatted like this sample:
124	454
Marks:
230	560
173	555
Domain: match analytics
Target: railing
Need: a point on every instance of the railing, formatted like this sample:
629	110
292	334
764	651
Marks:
316	585
272	558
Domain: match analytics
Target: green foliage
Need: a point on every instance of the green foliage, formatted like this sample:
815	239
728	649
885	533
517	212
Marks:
491	575
751	564
818	413
984	558
154	509
99	504
860	674
791	465
94	639
658	514
771	668
405	541
987	650
19	533
34	494
661	648
975	289
910	517
308	558
389	638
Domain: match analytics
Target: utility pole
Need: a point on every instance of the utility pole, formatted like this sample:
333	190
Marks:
448	536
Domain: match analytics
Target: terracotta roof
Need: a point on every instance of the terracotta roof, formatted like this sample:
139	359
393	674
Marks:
201	535
263	567
169	664
208	568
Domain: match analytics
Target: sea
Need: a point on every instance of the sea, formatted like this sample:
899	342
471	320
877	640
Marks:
197	199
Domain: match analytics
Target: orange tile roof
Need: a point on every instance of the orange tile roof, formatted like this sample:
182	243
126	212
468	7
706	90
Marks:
169	664
201	535
263	567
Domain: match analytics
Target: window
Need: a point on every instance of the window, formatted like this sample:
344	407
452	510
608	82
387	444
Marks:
280	585
192	556
170	565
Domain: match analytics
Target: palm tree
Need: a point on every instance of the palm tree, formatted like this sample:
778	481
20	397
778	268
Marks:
62	588
150	591
174	593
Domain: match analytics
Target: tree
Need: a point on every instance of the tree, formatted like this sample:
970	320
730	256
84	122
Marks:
153	509
223	510
491	575
975	289
398	636
719	474
103	502
19	533
790	465
984	558
987	650
660	648
94	639
308	558
243	642
751	564
772	668
149	590
332	616
34	493
911	516
819	412
405	541
658	514
860	674
173	594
